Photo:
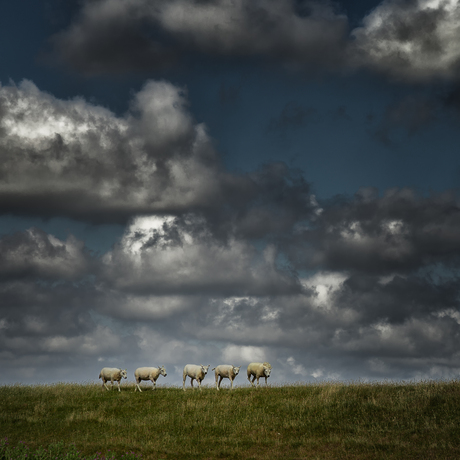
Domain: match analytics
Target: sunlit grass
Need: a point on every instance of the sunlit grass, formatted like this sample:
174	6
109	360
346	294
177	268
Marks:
328	420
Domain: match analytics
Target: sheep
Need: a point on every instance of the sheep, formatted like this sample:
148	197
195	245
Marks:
259	370
148	373
194	372
226	371
113	374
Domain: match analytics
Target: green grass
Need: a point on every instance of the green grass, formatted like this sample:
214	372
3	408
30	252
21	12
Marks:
320	421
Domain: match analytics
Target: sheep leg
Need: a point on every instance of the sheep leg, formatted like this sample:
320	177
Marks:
231	381
220	380
154	384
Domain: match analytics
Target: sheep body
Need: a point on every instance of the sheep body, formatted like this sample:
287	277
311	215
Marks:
257	370
226	371
114	374
195	372
148	373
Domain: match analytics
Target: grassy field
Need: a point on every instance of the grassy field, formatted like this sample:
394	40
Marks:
320	421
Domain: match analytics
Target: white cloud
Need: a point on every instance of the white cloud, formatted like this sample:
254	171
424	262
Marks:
236	354
324	285
165	256
411	40
297	369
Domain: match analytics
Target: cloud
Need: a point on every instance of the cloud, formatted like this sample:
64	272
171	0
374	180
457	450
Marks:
74	159
80	160
235	353
161	255
398	232
120	35
340	323
34	253
412	41
384	302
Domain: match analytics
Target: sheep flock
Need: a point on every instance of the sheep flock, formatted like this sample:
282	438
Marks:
193	371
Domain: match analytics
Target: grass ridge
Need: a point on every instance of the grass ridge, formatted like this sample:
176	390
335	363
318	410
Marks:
347	420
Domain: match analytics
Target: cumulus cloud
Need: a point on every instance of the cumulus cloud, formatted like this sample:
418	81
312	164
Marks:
120	35
414	41
71	158
162	255
80	160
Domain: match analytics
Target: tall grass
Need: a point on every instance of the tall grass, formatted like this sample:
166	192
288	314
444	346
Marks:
322	421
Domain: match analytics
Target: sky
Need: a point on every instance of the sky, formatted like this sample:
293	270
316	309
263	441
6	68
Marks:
229	181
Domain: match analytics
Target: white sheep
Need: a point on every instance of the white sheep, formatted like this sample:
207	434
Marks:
226	371
148	373
194	372
113	374
259	370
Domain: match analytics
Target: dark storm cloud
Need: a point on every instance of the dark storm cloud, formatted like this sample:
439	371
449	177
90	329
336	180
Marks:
268	203
175	286
47	310
396	232
404	319
74	159
103	41
34	253
404	326
120	36
45	286
413	41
